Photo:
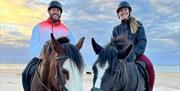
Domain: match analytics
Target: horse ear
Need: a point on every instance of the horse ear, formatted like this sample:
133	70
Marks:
56	45
97	48
125	52
80	43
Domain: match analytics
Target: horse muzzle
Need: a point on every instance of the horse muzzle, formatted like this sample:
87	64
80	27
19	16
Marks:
96	89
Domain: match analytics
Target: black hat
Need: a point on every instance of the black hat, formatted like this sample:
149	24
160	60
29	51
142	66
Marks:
124	4
55	4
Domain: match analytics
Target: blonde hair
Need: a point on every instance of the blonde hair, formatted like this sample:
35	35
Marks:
133	25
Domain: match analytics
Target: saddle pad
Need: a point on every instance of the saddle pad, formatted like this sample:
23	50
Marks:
142	68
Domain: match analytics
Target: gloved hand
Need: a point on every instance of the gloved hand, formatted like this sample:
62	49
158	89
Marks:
131	57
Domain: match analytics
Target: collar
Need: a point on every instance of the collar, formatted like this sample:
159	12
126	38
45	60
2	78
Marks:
53	23
126	21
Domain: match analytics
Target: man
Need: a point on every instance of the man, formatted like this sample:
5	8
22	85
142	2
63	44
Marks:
41	34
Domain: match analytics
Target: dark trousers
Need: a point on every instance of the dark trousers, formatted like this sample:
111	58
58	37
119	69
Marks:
28	72
150	69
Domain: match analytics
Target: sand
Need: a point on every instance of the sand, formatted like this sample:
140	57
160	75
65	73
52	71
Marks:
10	79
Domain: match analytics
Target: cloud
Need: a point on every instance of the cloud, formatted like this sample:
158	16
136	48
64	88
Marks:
13	40
166	41
163	46
17	20
164	7
93	18
164	29
12	36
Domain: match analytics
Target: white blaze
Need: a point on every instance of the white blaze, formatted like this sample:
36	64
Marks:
75	78
100	74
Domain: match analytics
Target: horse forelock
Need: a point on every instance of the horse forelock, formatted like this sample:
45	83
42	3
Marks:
120	40
63	39
110	52
73	53
75	66
107	54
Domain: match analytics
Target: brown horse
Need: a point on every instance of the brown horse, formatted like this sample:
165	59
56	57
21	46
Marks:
60	68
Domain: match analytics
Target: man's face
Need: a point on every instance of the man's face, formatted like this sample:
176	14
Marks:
54	13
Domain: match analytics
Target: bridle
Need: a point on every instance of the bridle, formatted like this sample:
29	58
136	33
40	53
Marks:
59	76
60	59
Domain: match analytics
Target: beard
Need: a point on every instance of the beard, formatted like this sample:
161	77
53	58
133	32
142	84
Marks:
55	17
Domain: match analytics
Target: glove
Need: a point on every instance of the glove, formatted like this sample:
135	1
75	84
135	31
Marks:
131	57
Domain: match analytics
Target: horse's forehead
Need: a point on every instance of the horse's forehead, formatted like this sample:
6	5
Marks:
100	72
73	74
69	64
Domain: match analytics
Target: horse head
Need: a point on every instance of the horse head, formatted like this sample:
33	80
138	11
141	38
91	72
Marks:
62	65
110	67
69	63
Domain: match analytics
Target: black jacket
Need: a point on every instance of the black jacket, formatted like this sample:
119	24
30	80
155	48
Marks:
138	38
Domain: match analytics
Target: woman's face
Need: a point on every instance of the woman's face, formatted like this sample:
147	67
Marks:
123	13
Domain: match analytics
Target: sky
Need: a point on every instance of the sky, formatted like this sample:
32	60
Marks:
91	18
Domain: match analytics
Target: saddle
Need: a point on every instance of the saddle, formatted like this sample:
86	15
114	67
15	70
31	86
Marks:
29	72
142	68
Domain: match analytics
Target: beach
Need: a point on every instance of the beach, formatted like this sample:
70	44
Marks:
10	79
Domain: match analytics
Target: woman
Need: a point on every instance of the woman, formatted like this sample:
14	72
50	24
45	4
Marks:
135	31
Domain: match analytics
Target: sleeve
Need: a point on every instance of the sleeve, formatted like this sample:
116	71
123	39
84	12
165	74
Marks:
71	37
140	43
35	42
114	32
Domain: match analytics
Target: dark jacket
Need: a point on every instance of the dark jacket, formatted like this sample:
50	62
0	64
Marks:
138	38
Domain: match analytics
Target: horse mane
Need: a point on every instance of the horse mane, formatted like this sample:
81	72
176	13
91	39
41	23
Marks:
109	54
120	42
63	39
122	38
46	48
71	51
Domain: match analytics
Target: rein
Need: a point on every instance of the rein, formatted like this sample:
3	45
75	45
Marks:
59	76
48	89
119	75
